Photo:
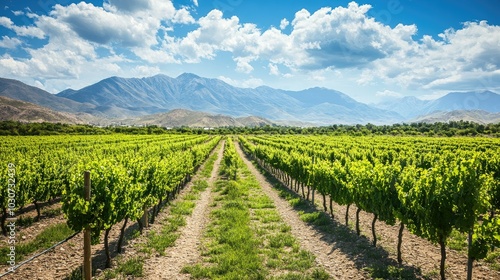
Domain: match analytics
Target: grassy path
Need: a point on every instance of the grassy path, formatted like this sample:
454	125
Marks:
247	238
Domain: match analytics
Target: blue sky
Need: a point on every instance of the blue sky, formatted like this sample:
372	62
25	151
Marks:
370	50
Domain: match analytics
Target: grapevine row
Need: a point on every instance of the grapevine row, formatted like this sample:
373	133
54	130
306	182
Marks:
129	175
430	187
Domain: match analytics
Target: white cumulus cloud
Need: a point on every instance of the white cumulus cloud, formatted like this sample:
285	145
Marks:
284	23
23	31
9	43
463	59
273	70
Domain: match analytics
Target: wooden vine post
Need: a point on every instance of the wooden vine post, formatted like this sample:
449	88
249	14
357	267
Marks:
87	250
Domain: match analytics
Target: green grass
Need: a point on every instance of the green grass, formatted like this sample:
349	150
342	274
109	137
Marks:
25	221
192	196
247	239
390	272
199	186
267	215
261	202
295	202
159	241
48	237
315	218
281	240
182	208
457	241
233	250
49	213
493	259
76	274
132	267
316	274
209	165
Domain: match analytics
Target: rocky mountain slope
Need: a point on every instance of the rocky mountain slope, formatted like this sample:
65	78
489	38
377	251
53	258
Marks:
181	117
16	110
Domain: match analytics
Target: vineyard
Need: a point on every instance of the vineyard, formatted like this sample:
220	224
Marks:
159	188
431	187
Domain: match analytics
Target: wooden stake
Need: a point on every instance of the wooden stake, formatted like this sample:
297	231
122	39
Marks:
87	250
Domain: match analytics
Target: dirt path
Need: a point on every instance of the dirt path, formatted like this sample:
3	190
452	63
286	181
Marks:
186	249
335	263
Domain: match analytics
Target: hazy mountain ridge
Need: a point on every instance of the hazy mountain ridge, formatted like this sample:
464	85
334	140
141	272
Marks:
408	106
17	110
115	99
17	90
411	107
481	100
477	116
188	91
182	117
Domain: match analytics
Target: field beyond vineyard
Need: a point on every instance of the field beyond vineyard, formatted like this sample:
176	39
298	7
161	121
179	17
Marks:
184	206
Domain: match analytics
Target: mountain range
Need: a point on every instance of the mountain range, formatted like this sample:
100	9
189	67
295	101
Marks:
477	116
146	100
411	107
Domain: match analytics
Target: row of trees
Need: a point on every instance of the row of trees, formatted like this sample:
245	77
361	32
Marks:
453	128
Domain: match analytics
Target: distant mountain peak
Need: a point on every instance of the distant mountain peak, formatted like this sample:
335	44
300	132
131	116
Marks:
67	92
157	76
113	78
411	98
187	76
